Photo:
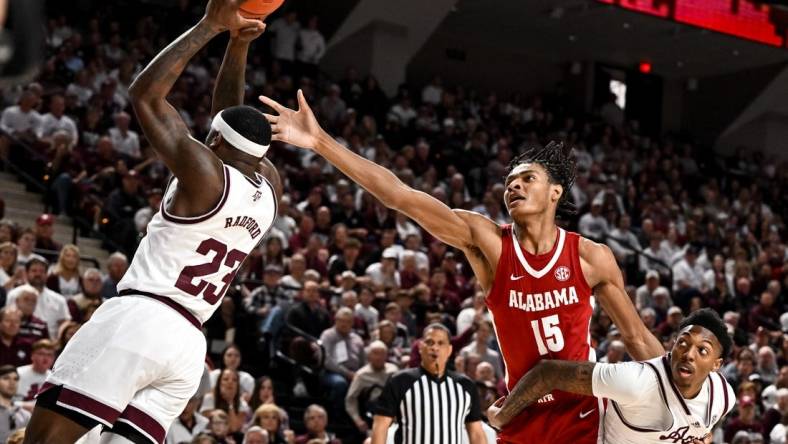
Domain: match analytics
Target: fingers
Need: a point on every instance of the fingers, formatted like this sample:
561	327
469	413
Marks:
250	23
273	104
272	119
302	100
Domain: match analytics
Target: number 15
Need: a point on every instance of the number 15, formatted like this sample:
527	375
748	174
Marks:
552	334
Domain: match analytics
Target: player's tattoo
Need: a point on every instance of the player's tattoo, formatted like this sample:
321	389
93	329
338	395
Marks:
567	376
199	171
157	79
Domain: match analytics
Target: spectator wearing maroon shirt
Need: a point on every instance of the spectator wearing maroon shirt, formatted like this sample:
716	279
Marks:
13	350
32	328
349	260
45	229
671	323
745	421
764	314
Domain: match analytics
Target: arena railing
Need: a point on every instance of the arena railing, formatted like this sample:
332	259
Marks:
52	253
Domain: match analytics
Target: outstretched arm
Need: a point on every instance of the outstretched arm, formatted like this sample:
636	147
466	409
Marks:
450	226
608	284
546	376
198	170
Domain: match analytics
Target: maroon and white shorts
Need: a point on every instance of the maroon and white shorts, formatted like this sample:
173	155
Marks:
136	361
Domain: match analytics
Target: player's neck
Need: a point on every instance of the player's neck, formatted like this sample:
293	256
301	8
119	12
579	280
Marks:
691	391
537	235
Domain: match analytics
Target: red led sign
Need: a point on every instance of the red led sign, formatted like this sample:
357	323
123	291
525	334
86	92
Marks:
742	18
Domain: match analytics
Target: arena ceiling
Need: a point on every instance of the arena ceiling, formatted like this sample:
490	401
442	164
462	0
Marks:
583	30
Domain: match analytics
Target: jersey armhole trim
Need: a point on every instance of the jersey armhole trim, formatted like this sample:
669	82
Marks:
202	218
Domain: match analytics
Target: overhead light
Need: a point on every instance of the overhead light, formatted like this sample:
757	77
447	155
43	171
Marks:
626	25
572	37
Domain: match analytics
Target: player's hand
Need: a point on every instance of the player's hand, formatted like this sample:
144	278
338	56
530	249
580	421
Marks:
362	426
299	128
223	15
708	439
246	35
493	411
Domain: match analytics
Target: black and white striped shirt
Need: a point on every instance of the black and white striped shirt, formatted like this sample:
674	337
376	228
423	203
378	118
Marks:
429	409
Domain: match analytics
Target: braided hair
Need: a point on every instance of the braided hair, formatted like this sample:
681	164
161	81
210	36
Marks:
556	158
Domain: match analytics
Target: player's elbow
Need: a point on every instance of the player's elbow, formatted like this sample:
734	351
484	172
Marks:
138	93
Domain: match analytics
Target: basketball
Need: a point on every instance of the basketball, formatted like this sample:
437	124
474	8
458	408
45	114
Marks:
259	8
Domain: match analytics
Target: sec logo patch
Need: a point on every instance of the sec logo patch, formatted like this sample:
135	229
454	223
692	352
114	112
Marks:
562	273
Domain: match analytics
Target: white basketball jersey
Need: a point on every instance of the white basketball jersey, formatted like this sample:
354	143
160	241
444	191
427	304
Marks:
684	420
193	260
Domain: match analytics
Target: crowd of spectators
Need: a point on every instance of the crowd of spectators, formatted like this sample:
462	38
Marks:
334	298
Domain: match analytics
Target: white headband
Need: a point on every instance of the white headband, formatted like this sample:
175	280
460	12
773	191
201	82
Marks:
235	139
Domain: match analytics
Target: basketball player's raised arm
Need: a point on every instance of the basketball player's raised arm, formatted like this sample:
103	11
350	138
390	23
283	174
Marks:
197	168
608	285
457	228
228	90
230	85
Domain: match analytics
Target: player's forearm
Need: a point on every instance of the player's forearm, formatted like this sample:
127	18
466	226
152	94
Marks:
548	375
157	79
379	181
644	345
229	87
380	428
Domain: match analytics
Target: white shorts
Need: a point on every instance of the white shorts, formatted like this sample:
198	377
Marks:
136	361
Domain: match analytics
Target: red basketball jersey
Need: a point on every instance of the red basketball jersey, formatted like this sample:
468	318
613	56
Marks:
541	307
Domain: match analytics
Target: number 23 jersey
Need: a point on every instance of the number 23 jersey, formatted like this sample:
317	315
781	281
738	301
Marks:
193	260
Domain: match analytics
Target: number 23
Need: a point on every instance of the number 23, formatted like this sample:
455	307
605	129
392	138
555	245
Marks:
233	259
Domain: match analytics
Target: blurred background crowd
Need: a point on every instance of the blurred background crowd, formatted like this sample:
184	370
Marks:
335	296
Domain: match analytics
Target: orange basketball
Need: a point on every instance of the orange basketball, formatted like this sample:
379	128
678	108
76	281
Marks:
259	8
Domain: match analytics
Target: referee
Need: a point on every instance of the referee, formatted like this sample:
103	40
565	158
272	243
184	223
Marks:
430	404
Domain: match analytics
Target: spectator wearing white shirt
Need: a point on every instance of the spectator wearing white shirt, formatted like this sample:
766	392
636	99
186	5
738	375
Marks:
188	424
286	30
687	277
433	92
125	141
55	121
20	121
384	274
623	242
645	295
312	47
81	87
51	307
404	111
593	225
365	310
655	251
32	376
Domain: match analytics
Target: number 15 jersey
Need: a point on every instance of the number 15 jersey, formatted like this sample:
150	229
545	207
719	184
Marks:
193	260
541	306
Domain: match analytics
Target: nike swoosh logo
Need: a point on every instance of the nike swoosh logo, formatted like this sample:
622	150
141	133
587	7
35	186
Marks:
584	414
516	278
